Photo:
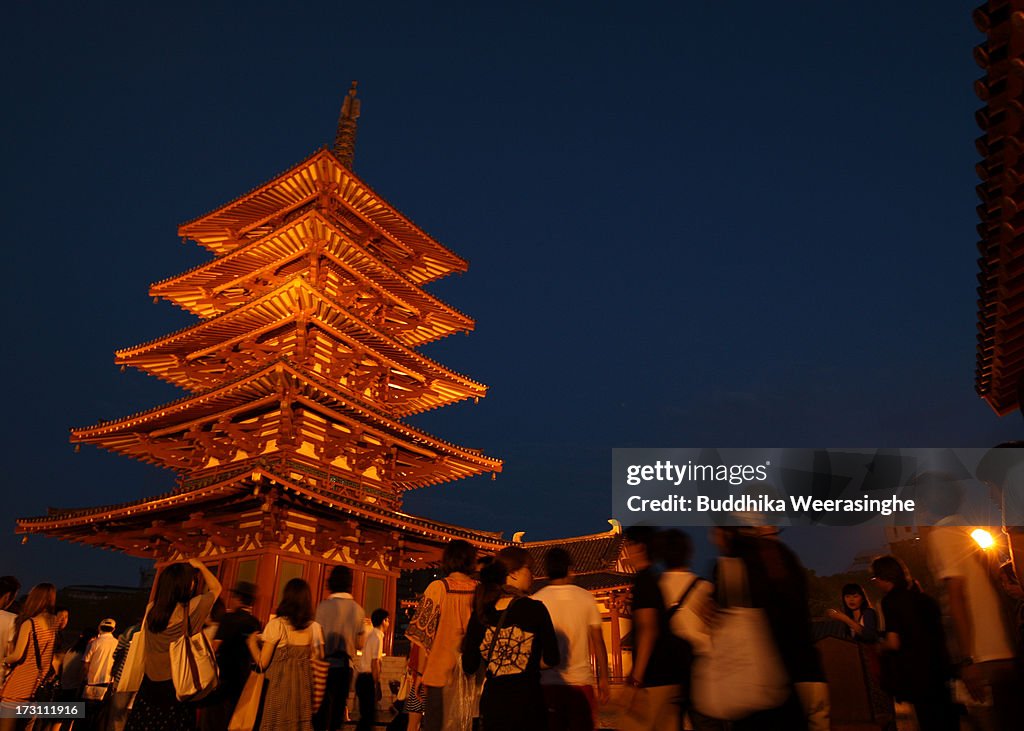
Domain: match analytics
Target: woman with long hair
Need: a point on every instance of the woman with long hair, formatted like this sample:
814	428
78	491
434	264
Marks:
436	633
915	666
290	639
184	591
856	613
512	637
31	653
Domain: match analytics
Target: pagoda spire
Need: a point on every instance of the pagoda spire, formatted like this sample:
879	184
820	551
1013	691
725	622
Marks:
345	138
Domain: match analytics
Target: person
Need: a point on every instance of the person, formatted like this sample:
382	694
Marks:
979	628
72	669
213	621
856	613
99	661
342	621
9	588
184	592
652	701
233	658
290	640
72	678
688	601
438	628
368	665
31	653
915	666
569	687
98	664
512	638
117	712
777	584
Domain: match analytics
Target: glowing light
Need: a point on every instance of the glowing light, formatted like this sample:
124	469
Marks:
983	538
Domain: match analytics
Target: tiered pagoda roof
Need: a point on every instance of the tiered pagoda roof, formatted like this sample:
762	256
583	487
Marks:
304	363
1000	358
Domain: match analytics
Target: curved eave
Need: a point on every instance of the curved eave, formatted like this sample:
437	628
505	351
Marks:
189	290
301	183
265	387
150	508
271	311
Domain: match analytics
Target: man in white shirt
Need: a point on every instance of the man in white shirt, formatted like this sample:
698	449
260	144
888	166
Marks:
9	587
569	688
342	621
99	661
368	665
974	605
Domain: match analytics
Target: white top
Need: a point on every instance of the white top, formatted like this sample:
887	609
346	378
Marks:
373	649
573	612
99	654
278	627
687	622
953	553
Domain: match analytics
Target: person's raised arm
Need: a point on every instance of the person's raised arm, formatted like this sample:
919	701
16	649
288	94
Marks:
212	584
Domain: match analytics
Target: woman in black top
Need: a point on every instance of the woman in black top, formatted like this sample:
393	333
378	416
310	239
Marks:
915	666
511	635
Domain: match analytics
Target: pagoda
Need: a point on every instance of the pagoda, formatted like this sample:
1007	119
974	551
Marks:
291	446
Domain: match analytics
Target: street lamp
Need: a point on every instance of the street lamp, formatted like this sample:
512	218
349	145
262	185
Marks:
983	538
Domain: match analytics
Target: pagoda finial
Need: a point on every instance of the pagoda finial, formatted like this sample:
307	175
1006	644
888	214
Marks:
345	139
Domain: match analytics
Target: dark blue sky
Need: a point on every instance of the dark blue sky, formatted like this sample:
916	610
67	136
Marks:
688	224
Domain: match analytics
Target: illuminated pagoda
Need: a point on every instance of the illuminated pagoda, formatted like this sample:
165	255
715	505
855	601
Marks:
291	447
1000	360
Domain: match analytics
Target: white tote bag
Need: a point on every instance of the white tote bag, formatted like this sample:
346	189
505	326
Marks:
742	672
193	664
135	661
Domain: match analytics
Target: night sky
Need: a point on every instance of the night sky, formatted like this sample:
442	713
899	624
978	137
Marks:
710	224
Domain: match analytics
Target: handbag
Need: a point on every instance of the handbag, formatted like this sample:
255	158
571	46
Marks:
248	707
742	672
134	662
49	681
319	670
406	687
193	665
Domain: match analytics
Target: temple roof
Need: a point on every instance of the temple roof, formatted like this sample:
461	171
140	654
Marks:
167	357
212	288
262	209
94	524
593	553
1000	338
264	391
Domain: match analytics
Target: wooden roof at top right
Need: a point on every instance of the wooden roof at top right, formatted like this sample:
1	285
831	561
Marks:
1000	357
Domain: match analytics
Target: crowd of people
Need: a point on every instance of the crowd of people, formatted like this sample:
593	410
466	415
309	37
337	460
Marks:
494	649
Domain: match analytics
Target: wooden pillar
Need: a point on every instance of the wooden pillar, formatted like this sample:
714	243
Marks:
266	581
616	649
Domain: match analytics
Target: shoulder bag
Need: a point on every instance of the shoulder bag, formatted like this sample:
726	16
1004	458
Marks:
193	665
742	672
49	680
